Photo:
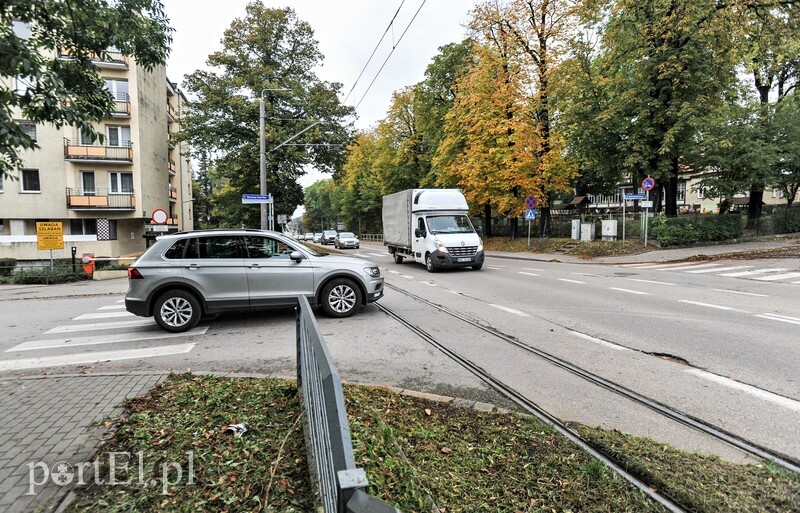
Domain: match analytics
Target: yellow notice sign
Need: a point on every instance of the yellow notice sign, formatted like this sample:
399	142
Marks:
50	235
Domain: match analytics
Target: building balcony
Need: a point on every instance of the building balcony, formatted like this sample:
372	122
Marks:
122	105
171	139
100	199
112	60
75	152
173	194
172	221
173	168
171	112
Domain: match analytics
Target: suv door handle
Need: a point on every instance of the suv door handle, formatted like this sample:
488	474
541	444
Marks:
255	266
192	267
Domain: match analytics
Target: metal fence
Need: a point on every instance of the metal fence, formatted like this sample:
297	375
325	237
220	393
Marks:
371	237
338	484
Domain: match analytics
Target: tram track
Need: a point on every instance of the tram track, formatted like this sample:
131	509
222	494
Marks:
531	407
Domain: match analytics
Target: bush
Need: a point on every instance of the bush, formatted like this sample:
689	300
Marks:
682	231
7	266
48	275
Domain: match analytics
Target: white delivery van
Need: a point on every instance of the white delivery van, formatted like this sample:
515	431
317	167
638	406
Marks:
430	226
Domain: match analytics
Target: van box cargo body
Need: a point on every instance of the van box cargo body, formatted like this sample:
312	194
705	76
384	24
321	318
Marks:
430	226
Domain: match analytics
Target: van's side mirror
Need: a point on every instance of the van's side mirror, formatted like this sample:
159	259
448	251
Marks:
420	233
296	256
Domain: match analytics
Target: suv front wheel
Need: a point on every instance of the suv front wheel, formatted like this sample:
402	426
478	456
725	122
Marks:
340	298
177	311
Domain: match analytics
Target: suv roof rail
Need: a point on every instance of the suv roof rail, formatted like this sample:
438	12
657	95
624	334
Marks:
212	230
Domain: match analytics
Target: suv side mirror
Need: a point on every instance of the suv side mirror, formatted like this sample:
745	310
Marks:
296	256
420	233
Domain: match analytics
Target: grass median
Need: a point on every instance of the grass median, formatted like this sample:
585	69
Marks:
420	456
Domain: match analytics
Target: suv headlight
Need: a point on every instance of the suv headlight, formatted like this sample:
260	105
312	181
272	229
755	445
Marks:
372	271
441	247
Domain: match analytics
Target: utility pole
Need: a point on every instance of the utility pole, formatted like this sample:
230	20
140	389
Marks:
263	152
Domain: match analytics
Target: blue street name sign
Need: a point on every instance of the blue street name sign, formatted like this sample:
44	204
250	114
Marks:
634	196
256	198
530	215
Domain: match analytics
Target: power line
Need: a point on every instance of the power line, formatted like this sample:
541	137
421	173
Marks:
390	54
388	27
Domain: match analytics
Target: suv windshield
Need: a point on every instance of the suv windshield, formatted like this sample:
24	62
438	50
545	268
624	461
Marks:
449	224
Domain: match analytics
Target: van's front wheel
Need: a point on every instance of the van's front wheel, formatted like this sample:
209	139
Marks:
429	265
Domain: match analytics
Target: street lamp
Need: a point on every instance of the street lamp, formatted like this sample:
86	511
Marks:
262	150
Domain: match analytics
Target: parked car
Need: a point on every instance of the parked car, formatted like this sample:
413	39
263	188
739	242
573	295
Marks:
309	237
346	240
328	237
300	236
184	276
317	238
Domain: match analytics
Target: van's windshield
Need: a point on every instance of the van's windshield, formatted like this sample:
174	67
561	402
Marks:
449	224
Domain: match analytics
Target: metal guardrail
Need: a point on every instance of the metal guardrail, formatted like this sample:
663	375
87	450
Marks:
371	237
338	484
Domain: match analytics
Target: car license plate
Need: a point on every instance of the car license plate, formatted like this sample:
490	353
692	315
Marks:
464	260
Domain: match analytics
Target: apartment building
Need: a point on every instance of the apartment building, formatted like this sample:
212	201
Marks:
104	194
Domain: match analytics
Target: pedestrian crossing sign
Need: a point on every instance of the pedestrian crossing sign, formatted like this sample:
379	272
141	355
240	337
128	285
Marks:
530	215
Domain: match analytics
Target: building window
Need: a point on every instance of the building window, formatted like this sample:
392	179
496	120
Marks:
86	137
28	128
119	135
118	88
87	183
700	191
120	183
22	85
83	226
681	196
30	180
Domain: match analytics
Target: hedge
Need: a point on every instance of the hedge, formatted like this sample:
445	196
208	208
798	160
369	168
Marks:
683	231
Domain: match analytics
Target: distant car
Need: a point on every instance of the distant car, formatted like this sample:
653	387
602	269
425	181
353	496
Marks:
309	237
346	240
184	276
328	237
317	238
300	236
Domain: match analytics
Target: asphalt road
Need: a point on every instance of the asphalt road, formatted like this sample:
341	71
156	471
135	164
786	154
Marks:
722	348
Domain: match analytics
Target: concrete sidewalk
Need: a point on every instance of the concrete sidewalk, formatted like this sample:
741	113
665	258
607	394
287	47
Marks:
661	255
79	288
50	427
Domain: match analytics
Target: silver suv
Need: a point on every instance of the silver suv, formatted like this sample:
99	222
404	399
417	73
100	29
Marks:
186	275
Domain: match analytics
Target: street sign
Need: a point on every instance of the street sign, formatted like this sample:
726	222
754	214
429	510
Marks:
530	202
646	204
634	196
648	184
159	228
530	215
281	218
49	235
256	198
159	216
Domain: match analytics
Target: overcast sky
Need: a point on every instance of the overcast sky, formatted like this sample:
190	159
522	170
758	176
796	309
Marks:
347	32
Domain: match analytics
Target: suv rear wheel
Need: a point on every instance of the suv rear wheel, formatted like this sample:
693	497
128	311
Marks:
340	298
177	311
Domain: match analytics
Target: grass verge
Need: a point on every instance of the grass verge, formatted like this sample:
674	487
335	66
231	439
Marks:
567	246
420	456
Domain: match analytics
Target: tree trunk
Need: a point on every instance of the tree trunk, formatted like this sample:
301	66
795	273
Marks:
514	228
754	207
671	196
487	219
544	223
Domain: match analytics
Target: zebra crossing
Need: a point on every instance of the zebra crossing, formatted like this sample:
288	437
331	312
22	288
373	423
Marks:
751	272
114	334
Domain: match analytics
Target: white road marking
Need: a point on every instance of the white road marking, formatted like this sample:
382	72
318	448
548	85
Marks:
428	283
742	293
457	293
394	272
103	339
781	318
571	281
100	326
748	389
630	291
104	315
406	276
651	281
697	303
378	254
692	266
76	359
495	268
532	269
509	310
720	269
121	301
528	274
599	341
500	266
755	271
112	307
776	277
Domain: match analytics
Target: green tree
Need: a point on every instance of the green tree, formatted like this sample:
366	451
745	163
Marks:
322	202
786	130
43	88
267	49
362	188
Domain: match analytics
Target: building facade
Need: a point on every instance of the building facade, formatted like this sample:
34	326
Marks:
105	193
